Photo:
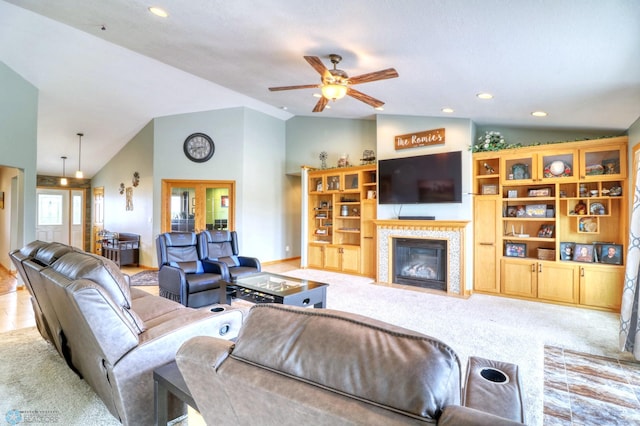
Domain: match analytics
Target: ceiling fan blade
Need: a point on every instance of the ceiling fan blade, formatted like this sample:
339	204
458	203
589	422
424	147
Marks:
316	63
374	76
322	102
305	86
364	98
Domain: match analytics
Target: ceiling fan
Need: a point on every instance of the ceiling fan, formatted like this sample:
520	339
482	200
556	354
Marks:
335	83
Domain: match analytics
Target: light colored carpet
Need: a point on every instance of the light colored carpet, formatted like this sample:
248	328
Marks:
35	379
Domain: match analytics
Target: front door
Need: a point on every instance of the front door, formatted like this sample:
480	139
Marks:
60	216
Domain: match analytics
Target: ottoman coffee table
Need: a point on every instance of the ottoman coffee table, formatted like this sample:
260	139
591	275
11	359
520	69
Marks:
265	287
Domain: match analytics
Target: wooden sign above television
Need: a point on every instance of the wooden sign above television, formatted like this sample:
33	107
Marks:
414	140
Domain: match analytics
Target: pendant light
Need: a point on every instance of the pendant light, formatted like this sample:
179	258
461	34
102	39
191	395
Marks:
63	179
79	173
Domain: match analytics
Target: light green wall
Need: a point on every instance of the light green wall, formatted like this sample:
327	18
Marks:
308	136
262	188
250	150
136	156
18	127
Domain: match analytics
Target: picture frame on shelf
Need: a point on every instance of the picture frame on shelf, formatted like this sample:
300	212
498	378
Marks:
546	231
611	254
540	192
515	250
512	211
536	210
566	250
583	253
489	189
512	193
588	224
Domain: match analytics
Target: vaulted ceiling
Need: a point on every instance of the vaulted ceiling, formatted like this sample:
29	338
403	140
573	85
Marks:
108	67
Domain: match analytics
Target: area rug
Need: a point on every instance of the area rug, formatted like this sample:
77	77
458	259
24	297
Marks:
149	277
584	389
37	386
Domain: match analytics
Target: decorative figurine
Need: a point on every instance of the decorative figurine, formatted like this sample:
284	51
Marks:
323	158
368	157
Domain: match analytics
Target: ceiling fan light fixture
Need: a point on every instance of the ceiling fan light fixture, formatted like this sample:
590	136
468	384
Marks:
334	91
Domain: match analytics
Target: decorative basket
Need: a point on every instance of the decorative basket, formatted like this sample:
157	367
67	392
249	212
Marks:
546	254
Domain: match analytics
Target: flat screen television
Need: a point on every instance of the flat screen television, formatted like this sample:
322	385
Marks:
424	179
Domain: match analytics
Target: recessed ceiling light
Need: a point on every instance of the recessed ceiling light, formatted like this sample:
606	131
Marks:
317	95
379	108
158	11
328	107
447	110
539	114
484	96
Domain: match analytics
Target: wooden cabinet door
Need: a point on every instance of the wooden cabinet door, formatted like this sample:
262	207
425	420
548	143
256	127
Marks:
519	277
315	255
350	259
332	258
486	274
558	282
601	286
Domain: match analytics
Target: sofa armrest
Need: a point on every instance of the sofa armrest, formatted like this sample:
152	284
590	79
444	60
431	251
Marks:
216	267
457	415
252	262
199	360
493	387
173	279
133	374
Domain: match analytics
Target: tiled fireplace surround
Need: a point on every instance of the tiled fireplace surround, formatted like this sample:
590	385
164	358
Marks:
451	231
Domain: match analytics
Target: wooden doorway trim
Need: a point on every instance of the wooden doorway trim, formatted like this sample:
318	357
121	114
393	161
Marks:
200	187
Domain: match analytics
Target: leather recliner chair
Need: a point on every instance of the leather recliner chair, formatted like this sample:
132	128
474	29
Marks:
183	276
221	247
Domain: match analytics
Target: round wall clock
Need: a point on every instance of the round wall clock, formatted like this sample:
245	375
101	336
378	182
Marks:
199	147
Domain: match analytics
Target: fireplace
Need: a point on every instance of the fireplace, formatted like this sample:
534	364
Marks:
451	232
420	262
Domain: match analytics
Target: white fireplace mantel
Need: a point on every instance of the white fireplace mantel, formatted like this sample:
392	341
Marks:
451	230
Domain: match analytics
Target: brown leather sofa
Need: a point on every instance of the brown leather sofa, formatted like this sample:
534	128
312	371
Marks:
292	366
112	335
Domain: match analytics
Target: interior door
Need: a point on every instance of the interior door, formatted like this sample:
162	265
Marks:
195	206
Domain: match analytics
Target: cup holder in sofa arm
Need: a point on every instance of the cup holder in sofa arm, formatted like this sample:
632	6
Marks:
494	387
494	375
